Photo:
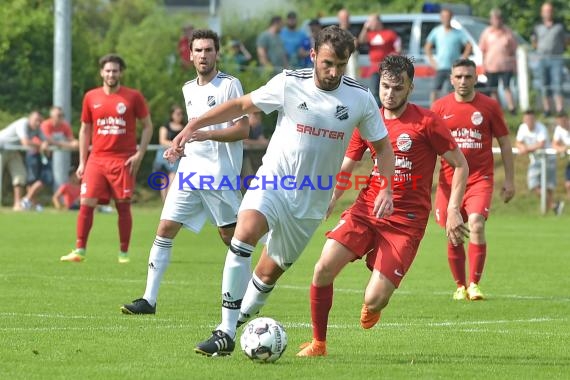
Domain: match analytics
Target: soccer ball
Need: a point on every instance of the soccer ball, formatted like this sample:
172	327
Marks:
263	340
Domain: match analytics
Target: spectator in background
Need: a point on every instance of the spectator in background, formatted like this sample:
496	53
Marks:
184	46
450	44
239	54
532	136
293	41
499	47
166	133
254	146
270	49
343	16
58	133
38	163
14	134
309	42
381	43
550	39
561	142
67	195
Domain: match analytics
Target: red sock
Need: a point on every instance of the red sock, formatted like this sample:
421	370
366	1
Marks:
477	255
84	223
456	259
125	224
321	303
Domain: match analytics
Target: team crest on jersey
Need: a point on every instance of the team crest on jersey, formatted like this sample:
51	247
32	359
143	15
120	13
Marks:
341	112
404	142
477	118
121	108
211	101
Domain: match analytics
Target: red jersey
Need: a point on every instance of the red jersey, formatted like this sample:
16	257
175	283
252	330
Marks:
473	125
70	193
382	43
114	121
61	132
418	136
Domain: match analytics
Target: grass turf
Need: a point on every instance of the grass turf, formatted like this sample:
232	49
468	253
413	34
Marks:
62	320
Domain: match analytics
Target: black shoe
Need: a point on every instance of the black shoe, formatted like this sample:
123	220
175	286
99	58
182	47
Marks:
139	306
219	344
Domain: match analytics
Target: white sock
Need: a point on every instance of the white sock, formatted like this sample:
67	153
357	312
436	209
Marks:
237	272
254	298
158	261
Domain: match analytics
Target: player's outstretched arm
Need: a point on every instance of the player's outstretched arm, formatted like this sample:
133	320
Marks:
237	131
383	205
508	189
230	110
455	228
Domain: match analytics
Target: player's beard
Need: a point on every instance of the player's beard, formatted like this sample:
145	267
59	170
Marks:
112	83
206	69
326	83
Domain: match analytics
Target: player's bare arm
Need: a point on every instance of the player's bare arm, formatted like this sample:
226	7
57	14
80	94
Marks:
455	229
383	205
134	162
508	189
84	142
346	169
229	110
237	131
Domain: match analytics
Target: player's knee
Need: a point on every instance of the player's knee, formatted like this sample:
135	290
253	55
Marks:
376	302
477	225
323	275
89	202
168	229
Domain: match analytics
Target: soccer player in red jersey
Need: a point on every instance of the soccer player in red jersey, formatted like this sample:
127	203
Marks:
474	119
389	244
108	121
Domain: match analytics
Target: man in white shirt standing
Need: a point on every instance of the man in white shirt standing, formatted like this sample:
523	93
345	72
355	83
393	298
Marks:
318	110
217	154
532	136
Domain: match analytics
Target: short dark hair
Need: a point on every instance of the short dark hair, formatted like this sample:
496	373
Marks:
275	19
114	58
342	41
561	114
395	65
205	34
292	14
463	62
529	111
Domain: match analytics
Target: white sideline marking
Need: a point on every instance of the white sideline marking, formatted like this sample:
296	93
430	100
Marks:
189	326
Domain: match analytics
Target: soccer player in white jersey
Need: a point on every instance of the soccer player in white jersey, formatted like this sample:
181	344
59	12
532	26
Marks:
216	154
318	110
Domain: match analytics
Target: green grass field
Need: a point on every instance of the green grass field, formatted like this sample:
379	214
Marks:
61	320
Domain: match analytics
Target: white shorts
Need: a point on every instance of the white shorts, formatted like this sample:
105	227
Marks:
191	208
288	236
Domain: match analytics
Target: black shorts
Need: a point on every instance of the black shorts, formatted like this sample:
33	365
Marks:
493	79
441	76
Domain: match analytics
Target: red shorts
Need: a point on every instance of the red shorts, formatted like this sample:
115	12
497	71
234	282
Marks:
477	200
389	247
107	178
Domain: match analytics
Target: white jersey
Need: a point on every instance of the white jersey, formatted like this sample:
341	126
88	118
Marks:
212	161
311	136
